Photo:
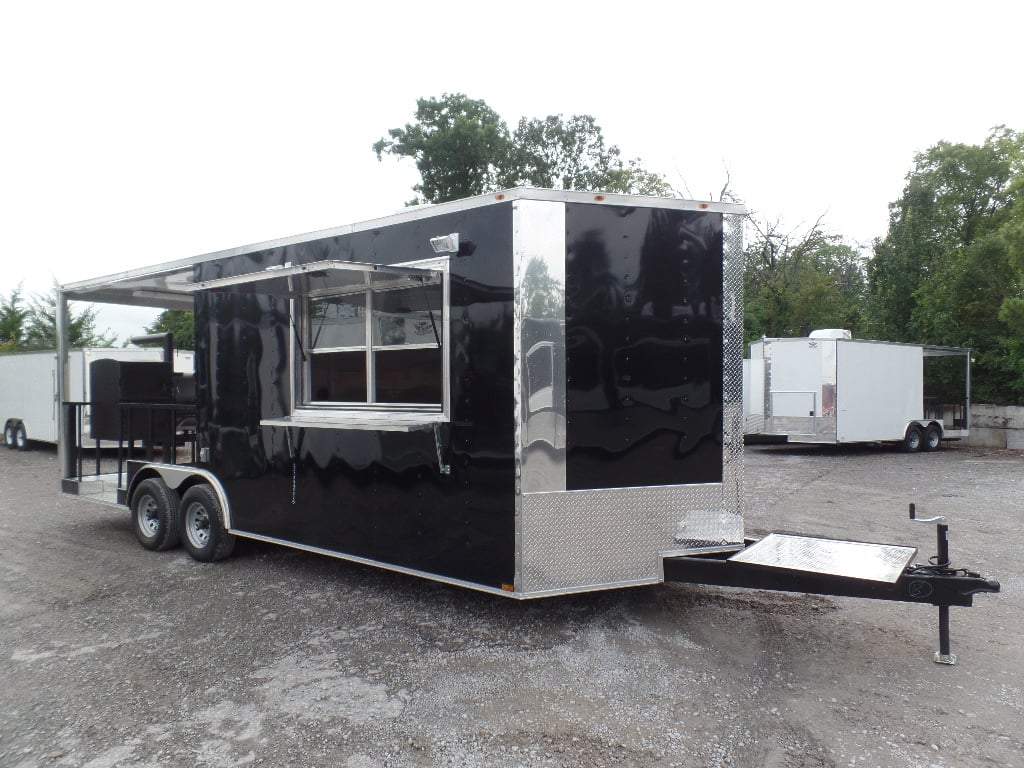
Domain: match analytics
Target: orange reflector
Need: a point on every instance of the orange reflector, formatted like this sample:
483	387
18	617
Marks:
508	587
704	205
499	197
599	198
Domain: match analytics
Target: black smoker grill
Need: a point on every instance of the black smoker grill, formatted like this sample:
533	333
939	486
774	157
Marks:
116	383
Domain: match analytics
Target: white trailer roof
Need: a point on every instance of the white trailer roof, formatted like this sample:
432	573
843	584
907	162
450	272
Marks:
930	350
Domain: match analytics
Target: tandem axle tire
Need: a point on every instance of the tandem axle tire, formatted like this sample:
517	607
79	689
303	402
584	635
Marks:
155	515
15	435
203	533
933	438
913	440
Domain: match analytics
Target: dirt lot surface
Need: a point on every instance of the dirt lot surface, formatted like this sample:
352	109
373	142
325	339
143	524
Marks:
111	655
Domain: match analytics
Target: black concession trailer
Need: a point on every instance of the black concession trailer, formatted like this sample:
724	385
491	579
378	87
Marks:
531	393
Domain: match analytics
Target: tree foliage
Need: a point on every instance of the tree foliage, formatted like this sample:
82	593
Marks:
949	270
796	283
41	326
461	147
179	324
33	325
13	314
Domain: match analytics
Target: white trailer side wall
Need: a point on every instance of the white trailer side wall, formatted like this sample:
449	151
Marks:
28	382
879	390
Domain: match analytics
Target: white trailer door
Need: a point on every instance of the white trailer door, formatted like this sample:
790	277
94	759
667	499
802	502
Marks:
879	389
794	378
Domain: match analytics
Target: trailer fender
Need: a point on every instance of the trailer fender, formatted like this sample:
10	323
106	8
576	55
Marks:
179	479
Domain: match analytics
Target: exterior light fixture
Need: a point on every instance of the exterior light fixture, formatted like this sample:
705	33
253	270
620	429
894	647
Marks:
445	243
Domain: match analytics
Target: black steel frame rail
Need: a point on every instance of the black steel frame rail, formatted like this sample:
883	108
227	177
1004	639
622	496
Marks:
927	584
935	583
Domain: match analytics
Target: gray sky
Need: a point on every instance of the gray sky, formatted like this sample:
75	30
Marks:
136	133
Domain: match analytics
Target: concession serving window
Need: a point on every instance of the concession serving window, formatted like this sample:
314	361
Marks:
369	342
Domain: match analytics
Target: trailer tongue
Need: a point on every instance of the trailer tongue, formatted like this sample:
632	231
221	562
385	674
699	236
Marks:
789	563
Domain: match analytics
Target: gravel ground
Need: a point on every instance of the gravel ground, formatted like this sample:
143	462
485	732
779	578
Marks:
111	655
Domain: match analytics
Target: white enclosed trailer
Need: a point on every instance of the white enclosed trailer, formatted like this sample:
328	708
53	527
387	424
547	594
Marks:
28	388
830	388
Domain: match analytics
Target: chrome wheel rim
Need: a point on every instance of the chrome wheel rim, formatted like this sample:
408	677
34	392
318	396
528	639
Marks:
9	436
197	525
148	518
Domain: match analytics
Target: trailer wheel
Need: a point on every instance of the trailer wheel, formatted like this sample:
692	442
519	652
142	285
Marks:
155	515
913	440
932	438
9	435
20	438
202	525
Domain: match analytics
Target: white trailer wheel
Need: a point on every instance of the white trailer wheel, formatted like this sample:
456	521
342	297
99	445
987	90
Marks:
9	435
932	438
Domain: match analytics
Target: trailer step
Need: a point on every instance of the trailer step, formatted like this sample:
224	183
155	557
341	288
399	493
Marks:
98	488
835	557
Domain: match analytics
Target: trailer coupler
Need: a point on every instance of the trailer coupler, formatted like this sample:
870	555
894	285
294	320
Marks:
788	563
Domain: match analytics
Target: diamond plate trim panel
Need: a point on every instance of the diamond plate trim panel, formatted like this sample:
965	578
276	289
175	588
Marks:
732	365
851	559
610	537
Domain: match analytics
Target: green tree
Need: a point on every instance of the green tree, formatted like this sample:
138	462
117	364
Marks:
948	270
179	323
796	283
572	154
1011	311
41	325
461	147
13	313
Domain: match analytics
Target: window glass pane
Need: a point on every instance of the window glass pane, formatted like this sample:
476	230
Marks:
409	376
337	377
407	316
338	321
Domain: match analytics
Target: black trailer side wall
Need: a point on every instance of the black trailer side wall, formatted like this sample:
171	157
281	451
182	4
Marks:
371	494
644	348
